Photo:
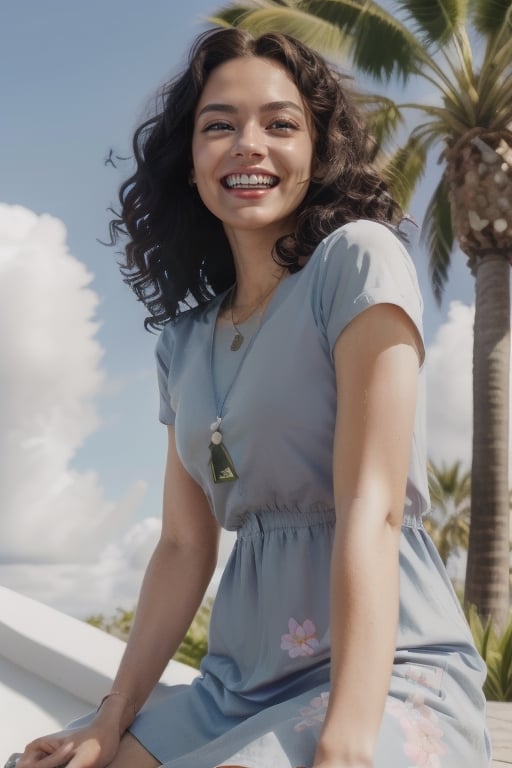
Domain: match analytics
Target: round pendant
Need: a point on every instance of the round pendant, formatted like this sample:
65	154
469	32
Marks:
216	438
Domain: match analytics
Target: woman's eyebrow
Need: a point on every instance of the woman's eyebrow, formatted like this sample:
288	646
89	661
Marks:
218	108
271	106
277	106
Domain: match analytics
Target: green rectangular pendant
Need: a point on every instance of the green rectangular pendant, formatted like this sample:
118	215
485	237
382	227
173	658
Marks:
221	464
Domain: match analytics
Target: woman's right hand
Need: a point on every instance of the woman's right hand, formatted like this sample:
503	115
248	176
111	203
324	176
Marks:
93	746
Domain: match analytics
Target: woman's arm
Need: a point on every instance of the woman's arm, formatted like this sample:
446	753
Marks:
174	584
376	360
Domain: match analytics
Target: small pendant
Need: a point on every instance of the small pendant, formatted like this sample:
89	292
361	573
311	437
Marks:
237	342
221	463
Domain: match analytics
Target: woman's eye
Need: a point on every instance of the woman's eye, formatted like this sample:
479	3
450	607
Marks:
283	125
218	125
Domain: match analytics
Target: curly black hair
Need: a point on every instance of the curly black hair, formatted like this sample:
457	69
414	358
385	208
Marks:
177	254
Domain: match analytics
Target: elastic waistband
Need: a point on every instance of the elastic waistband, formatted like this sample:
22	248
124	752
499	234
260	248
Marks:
262	520
258	521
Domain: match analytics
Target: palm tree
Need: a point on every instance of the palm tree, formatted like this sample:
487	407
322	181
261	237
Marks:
450	491
462	49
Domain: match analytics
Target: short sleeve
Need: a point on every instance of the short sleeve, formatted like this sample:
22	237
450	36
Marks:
163	353
362	264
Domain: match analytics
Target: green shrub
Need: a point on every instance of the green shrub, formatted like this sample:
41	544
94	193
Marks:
496	651
195	643
191	650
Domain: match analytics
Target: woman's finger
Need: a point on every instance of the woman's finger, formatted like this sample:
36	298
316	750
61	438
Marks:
46	753
58	757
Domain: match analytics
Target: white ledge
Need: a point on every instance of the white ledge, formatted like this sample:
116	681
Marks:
53	668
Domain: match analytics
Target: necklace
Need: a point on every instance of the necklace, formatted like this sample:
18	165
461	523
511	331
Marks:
221	464
238	338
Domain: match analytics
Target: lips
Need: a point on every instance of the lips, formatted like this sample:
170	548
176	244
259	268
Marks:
250	181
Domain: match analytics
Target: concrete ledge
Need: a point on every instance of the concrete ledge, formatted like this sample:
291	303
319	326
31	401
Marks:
53	668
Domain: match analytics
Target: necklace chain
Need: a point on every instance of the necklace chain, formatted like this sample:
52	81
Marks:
238	338
221	464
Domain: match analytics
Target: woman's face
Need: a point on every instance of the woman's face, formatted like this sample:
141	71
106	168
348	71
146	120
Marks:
252	146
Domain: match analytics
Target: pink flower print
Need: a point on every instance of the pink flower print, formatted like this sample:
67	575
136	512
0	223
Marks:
428	676
301	640
423	743
423	736
315	713
397	708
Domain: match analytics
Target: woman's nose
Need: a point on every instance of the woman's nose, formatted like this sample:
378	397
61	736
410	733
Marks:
250	142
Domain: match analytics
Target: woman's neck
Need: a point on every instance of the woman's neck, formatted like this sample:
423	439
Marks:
256	269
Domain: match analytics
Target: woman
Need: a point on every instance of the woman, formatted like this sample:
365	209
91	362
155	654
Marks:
294	410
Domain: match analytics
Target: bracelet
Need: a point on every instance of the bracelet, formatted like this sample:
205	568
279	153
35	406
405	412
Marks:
122	695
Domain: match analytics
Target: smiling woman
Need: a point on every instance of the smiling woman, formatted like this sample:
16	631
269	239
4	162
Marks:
295	417
261	128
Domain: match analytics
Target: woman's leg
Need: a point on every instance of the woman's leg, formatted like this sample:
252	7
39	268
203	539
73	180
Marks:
132	754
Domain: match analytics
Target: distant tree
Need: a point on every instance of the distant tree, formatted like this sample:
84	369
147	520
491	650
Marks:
118	625
450	495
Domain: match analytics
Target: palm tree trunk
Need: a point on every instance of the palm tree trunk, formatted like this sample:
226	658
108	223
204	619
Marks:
487	575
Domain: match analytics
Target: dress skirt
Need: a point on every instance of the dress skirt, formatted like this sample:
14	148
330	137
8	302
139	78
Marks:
264	686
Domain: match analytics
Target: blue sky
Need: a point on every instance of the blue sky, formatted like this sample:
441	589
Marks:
76	77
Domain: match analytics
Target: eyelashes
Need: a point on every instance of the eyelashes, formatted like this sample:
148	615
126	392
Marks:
218	125
283	125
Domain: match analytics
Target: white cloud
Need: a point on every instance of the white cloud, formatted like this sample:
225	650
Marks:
111	581
51	515
449	388
449	369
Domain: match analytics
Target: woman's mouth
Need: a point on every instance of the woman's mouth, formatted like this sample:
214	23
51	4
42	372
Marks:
249	181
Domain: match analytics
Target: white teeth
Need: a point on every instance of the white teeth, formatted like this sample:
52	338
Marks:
237	180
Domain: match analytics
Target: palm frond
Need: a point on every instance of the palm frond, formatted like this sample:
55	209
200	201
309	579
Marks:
496	99
313	31
490	17
382	117
229	17
435	21
437	235
497	60
231	14
382	47
450	119
405	167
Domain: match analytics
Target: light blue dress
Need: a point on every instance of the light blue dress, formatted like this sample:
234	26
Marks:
262	696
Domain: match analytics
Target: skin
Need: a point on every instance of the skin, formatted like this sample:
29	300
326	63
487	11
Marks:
376	364
260	125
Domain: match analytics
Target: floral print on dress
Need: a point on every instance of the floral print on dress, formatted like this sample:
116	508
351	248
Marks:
301	639
428	676
314	714
424	744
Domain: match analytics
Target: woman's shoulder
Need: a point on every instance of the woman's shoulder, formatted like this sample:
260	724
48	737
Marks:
364	249
361	264
368	236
